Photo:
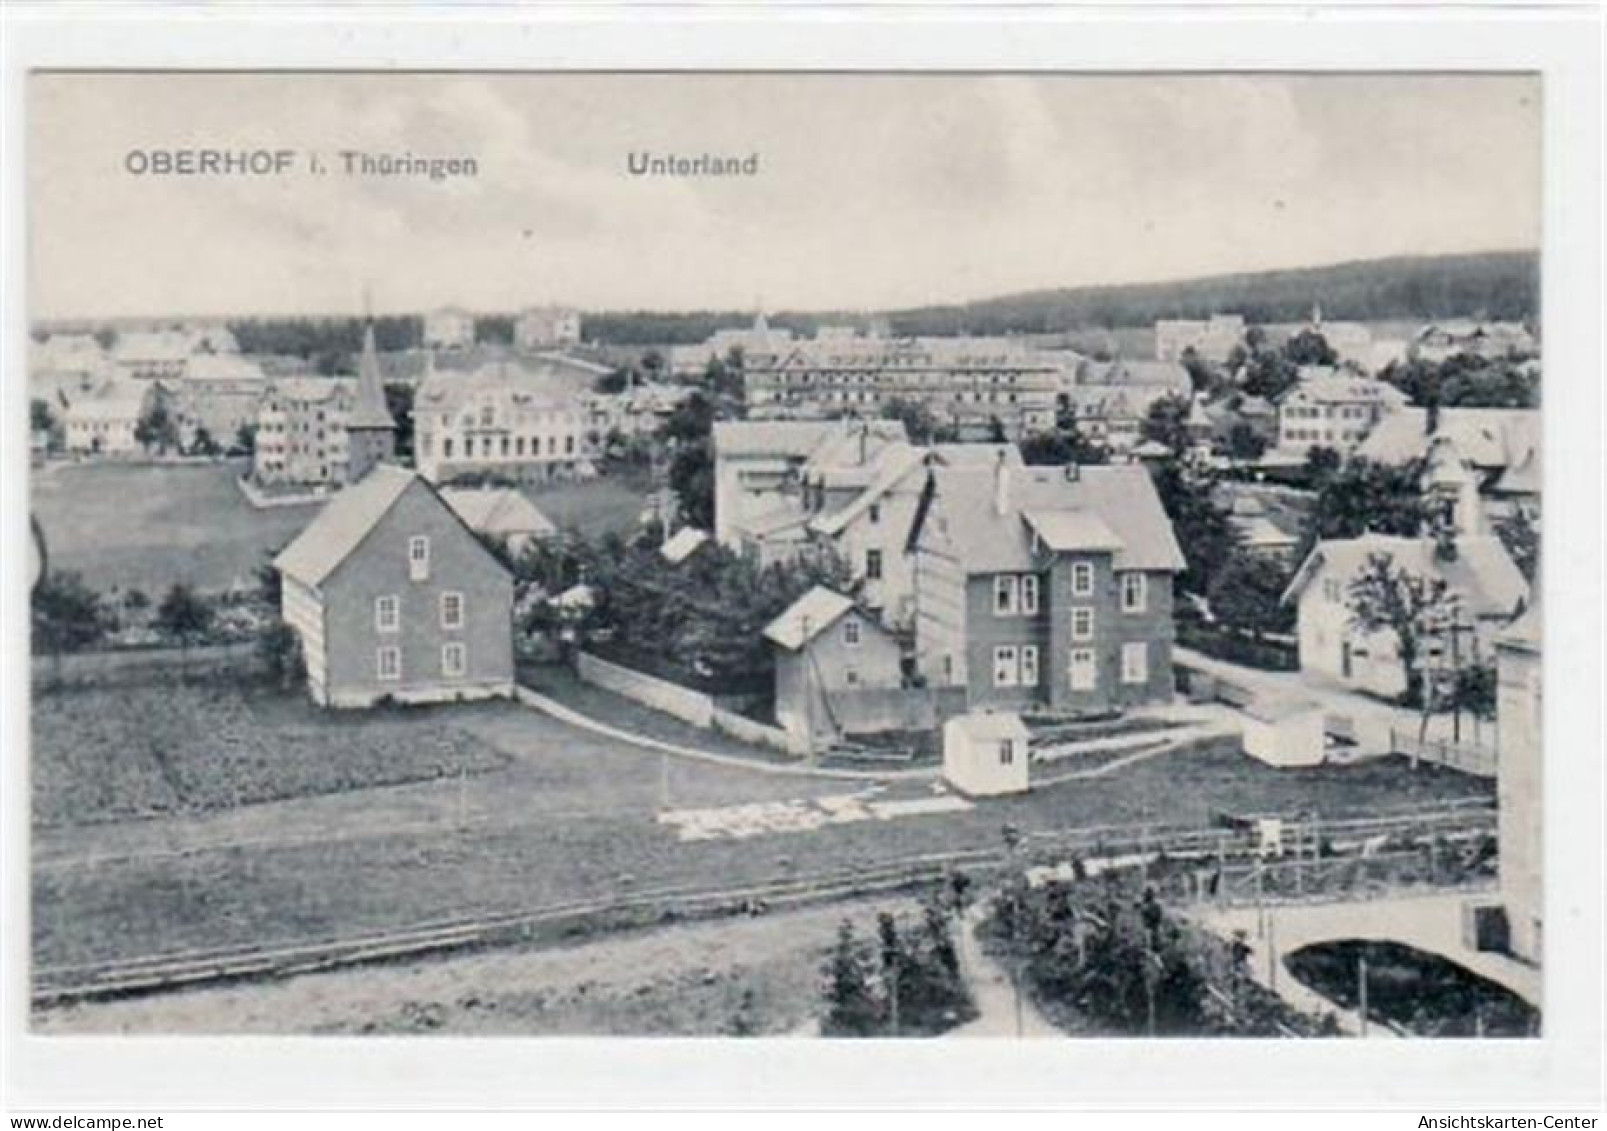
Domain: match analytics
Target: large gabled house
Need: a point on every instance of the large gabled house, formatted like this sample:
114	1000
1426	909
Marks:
1484	586
394	597
1044	586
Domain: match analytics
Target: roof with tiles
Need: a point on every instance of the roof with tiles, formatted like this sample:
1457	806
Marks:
986	518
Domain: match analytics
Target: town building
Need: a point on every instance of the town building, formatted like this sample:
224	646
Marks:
1212	339
862	509
1441	340
1330	409
1110	400
758	467
523	422
977	386
639	410
1484	589
1258	534
987	754
449	328
105	421
1479	464
1520	780
324	432
219	393
756	340
1047	587
827	649
393	597
546	327
67	358
500	514
152	354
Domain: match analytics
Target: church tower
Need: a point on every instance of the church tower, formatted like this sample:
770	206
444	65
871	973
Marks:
370	429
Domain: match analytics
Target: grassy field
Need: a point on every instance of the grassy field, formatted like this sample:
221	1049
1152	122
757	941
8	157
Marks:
571	815
177	745
147	526
609	503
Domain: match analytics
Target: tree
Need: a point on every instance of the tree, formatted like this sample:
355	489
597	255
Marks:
1247	594
66	615
156	428
40	418
1384	597
245	438
399	400
279	650
106	337
1064	444
919	421
1361	496
851	1007
1203	529
1245	443
202	443
183	616
1309	347
615	381
1167	423
691	478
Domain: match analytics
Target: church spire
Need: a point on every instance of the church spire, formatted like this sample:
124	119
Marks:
369	409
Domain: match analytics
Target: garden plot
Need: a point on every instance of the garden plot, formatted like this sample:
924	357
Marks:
768	818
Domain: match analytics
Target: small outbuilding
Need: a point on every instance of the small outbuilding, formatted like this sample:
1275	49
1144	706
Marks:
829	654
985	753
1285	731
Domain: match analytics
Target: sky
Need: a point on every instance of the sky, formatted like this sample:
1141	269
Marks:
873	192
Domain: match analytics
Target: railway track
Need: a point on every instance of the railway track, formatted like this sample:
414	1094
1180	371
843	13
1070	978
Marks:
53	985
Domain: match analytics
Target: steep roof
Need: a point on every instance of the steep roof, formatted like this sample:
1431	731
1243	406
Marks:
1326	385
989	540
498	511
685	542
1485	437
342	525
1482	571
899	462
369	409
807	617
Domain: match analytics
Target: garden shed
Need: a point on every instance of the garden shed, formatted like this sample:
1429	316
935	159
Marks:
1285	731
985	753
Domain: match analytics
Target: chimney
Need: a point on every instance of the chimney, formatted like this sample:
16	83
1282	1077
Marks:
1001	485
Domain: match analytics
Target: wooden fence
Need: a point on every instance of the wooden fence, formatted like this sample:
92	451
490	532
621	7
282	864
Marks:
1468	757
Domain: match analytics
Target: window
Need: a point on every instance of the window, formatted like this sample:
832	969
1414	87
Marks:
1330	589
851	677
388	663
1029	665
1004	595
1082	623
454	659
1006	672
1007	752
418	557
1029	594
875	513
1083	670
873	565
451	610
1082	579
488	416
387	614
1135	662
1134	592
851	632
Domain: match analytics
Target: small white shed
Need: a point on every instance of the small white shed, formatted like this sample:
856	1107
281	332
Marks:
1285	731
985	753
